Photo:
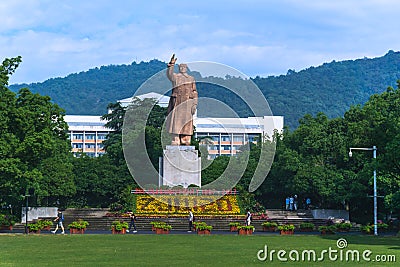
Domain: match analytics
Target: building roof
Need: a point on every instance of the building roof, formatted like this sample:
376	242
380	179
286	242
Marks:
85	123
162	100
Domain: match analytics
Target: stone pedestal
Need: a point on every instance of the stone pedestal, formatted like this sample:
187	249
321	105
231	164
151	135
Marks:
180	165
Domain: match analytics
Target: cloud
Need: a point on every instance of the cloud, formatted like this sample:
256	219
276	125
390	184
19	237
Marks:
256	37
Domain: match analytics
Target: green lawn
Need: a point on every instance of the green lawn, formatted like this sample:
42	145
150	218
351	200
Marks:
181	250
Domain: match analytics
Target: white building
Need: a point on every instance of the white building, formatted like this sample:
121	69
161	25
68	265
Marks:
162	100
87	134
227	134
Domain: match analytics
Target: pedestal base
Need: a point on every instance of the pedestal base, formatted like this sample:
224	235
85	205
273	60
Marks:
180	165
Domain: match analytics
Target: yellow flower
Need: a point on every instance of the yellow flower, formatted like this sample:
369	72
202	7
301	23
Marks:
177	204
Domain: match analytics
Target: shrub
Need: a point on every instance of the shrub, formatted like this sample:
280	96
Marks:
7	220
165	227
33	227
204	227
79	224
383	226
235	224
286	227
119	225
269	224
246	227
343	226
44	223
331	229
307	225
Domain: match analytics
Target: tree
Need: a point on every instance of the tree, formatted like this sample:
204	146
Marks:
35	151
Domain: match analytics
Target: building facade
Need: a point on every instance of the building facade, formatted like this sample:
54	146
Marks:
87	134
227	135
224	136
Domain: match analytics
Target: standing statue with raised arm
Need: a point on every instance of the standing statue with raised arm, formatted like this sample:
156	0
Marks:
182	104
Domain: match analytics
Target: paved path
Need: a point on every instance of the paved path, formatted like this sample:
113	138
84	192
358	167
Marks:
194	233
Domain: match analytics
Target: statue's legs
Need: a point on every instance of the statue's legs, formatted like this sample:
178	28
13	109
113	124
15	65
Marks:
185	140
175	140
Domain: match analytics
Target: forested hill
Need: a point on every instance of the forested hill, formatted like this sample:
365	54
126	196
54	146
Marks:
330	88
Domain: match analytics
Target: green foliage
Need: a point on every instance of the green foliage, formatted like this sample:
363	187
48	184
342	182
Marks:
269	224
7	68
119	225
343	226
203	227
161	225
307	225
331	88
34	227
7	220
286	227
246	227
100	182
98	86
34	149
331	229
79	224
44	223
367	229
234	224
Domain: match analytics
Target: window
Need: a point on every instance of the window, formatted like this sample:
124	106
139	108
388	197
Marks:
90	136
226	147
102	136
215	138
77	136
77	145
225	138
238	138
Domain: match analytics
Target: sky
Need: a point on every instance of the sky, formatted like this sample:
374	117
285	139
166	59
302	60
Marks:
256	37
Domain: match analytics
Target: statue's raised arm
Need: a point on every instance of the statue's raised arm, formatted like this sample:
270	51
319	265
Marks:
172	61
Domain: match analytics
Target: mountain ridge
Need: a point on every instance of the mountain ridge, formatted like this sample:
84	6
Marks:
330	88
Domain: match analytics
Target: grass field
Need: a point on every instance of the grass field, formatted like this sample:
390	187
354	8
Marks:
185	250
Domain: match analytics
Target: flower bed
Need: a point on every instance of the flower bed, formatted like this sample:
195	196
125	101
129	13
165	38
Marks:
177	205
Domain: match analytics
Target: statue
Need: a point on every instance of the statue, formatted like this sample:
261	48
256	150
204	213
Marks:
182	104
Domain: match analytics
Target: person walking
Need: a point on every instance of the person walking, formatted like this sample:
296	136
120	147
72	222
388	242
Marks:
287	203
248	218
295	201
308	203
191	218
132	216
59	220
291	202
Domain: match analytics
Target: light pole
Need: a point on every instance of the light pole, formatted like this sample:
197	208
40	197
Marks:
26	212
375	194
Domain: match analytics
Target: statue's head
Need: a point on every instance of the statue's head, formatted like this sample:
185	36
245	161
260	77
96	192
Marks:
182	68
